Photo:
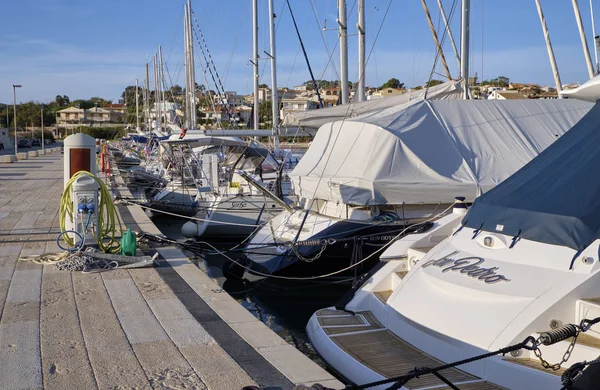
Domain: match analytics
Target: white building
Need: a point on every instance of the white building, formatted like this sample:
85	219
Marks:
505	95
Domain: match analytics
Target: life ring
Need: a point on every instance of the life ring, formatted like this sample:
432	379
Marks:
182	134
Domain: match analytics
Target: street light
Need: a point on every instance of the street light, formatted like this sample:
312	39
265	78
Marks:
15	114
42	109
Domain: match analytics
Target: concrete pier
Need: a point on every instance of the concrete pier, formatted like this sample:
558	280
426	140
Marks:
164	327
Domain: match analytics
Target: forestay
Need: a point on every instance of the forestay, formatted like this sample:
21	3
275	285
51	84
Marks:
430	151
555	198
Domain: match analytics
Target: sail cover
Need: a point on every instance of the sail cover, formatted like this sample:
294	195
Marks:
430	151
316	118
555	198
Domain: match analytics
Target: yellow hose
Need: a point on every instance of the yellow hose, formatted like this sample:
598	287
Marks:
107	216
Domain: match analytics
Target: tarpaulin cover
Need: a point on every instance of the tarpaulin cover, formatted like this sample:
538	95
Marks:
316	118
555	198
430	151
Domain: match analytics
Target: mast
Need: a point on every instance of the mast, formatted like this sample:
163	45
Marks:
464	47
586	50
594	35
255	61
275	97
343	28
137	106
161	80
158	88
436	40
155	74
450	35
360	88
190	71
549	47
147	100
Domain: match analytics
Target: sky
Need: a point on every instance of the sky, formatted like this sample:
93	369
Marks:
84	49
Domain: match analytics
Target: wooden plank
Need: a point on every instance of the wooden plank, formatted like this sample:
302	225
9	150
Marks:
387	354
536	364
479	385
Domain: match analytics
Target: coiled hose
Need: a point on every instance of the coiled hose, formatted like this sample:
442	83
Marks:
108	216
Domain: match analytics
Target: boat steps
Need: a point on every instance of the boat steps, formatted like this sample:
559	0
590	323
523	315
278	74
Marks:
536	364
374	346
384	295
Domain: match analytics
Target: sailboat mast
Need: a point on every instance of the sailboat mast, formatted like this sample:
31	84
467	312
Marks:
162	79
360	88
450	35
275	97
255	61
137	105
147	100
436	40
343	28
549	47
464	47
191	67
187	124
586	50
155	74
597	69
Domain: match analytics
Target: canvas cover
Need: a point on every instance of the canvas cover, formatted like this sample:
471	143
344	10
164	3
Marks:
555	198
430	151
316	118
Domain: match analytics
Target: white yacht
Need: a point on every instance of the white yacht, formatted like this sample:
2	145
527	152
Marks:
523	263
367	177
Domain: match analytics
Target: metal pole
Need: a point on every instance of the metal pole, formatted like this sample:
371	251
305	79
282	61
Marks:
464	47
148	96
193	119
360	88
255	61
450	35
15	114
42	108
158	89
137	106
275	97
187	68
586	50
343	35
594	35
436	40
155	69
549	47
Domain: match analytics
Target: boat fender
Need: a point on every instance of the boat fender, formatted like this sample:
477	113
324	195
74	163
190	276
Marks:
183	132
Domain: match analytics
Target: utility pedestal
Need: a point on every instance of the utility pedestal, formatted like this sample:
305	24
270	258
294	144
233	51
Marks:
80	155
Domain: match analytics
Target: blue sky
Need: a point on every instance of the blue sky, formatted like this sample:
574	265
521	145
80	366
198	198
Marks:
83	49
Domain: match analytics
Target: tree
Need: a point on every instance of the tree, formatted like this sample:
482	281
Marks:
433	83
62	101
500	81
393	83
263	86
264	111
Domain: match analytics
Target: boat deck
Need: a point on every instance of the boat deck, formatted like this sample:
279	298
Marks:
153	328
366	340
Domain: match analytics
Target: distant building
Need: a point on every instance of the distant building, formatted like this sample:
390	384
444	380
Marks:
289	106
548	95
506	95
385	92
113	114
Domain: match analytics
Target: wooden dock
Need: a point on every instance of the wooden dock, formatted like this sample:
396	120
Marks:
155	328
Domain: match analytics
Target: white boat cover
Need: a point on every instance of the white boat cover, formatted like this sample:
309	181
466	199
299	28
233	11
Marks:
317	118
430	151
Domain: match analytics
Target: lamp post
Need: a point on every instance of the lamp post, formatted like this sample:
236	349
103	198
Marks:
15	114
42	109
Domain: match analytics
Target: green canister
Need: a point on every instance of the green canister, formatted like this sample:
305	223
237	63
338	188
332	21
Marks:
128	243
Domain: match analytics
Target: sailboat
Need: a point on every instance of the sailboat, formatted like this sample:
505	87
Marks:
522	264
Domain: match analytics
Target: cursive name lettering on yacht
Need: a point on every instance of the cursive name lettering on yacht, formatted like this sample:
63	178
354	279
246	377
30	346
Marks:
469	266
